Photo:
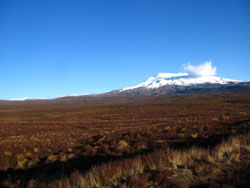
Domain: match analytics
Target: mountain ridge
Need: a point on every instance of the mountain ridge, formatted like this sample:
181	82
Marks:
181	79
180	83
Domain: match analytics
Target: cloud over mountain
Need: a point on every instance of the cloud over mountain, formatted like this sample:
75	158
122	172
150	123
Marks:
193	75
205	69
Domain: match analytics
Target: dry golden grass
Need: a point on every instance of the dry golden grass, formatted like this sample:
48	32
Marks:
174	168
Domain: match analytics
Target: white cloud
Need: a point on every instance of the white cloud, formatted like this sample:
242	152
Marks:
205	69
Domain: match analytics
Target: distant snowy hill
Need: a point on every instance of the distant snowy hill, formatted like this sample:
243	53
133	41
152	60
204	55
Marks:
197	79
180	79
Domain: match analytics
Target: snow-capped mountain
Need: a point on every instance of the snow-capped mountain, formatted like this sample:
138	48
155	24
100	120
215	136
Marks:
168	83
180	79
196	79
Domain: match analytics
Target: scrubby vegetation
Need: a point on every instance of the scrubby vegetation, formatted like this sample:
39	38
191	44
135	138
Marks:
166	141
227	165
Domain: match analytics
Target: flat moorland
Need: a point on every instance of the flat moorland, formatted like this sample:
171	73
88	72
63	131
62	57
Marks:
64	144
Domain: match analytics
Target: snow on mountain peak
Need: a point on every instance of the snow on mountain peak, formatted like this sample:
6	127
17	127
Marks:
21	99
201	74
171	75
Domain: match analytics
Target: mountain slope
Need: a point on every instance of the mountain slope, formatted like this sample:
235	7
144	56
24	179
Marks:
180	79
168	83
196	79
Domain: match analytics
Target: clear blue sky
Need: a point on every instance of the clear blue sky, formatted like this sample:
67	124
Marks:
51	48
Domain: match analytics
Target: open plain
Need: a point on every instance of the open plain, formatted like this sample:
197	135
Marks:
190	140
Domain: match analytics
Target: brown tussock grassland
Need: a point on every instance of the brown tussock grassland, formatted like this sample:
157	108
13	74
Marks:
198	140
